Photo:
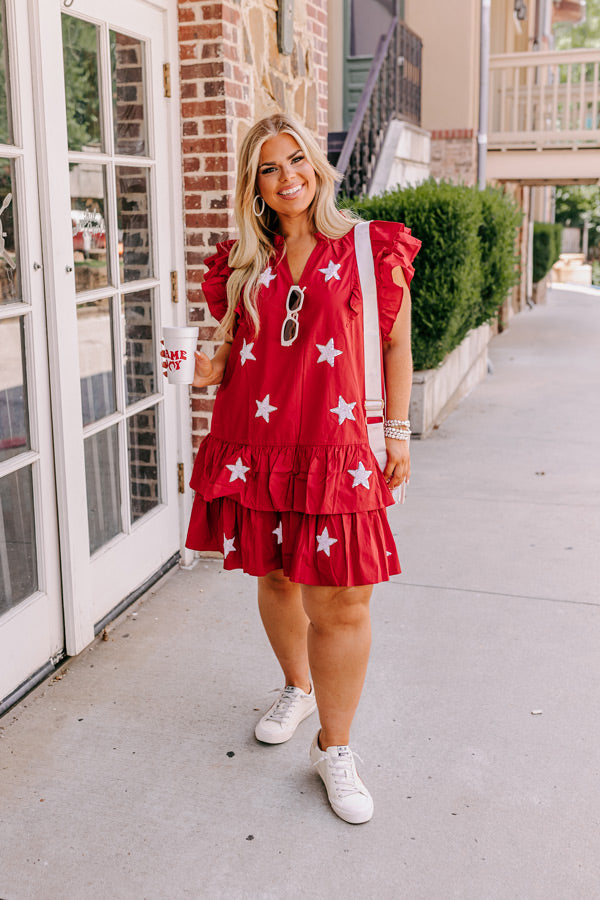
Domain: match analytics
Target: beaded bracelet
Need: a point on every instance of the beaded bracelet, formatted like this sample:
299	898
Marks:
398	423
396	433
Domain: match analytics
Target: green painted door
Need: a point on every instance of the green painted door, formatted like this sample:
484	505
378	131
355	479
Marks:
364	22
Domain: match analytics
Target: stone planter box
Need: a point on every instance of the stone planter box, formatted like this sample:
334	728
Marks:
436	392
539	292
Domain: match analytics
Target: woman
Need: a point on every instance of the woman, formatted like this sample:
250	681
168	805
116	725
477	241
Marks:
286	484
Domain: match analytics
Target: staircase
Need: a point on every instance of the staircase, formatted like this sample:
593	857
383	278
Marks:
392	93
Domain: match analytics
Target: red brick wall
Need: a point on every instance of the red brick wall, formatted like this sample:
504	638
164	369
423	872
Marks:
220	97
454	155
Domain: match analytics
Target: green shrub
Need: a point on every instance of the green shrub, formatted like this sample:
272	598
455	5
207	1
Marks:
546	248
454	288
501	217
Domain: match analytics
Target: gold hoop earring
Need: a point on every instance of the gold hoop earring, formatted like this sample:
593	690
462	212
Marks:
262	209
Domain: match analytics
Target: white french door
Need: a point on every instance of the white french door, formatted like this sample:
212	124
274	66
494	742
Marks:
105	156
88	432
31	616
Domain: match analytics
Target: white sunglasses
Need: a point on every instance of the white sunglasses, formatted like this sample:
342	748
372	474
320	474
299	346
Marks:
293	304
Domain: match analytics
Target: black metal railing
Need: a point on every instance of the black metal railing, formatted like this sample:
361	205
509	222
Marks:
392	91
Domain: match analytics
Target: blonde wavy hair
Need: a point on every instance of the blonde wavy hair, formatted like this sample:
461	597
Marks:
250	254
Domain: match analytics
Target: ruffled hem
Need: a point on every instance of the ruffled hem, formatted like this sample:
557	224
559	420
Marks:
393	245
338	550
325	479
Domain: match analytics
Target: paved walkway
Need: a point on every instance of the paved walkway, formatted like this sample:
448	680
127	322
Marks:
135	774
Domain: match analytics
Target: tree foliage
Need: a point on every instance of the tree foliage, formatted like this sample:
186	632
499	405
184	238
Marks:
80	54
567	37
578	204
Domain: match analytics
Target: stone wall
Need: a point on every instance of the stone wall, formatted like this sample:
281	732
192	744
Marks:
232	74
454	155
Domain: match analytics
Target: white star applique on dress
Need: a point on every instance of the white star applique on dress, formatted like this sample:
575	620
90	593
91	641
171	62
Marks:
361	476
228	545
328	352
331	271
325	542
238	469
343	410
266	278
246	352
264	408
279	532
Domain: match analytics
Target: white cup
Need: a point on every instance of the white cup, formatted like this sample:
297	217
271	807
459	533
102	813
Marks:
180	344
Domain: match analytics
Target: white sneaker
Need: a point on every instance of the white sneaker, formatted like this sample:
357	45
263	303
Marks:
349	798
280	722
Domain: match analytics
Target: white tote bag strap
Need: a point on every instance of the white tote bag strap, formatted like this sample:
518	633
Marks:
372	341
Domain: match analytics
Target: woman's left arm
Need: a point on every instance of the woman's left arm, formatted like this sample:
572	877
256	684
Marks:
398	372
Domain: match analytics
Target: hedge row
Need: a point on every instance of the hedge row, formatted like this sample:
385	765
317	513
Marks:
467	263
547	241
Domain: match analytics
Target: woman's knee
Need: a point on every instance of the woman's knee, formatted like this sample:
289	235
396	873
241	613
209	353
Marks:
340	608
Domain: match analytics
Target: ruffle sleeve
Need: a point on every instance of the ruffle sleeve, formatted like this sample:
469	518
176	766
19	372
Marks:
214	286
393	245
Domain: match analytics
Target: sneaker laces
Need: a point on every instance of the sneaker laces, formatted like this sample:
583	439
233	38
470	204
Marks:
282	709
343	771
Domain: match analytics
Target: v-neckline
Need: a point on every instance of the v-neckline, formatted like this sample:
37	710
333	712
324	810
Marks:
304	268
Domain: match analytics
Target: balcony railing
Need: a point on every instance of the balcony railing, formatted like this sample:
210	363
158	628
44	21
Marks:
545	100
392	91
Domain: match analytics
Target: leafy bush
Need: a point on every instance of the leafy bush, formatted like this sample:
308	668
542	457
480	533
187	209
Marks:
466	264
501	217
546	248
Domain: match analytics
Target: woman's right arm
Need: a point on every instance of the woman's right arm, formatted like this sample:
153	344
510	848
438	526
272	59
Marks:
211	371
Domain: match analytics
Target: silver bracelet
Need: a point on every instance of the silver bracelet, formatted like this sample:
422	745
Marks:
398	423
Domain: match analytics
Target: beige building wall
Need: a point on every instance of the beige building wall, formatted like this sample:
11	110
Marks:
508	34
450	33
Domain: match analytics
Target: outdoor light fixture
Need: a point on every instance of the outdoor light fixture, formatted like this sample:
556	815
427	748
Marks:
285	26
520	10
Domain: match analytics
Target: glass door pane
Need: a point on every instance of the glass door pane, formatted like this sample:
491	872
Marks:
96	355
18	562
128	94
88	223
82	83
10	288
14	415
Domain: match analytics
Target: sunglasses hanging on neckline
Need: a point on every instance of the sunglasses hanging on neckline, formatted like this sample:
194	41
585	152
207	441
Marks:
293	304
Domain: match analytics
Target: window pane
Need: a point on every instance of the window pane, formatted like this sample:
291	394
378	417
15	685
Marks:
134	223
10	287
136	310
18	565
143	462
88	205
14	419
103	486
127	69
94	328
6	136
80	59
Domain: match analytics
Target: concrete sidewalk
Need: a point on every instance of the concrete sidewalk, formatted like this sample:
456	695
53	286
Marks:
135	774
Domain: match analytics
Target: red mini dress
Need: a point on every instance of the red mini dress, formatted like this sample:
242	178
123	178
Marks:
286	479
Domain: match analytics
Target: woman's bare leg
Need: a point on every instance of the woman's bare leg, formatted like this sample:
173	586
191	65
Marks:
339	641
286	623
